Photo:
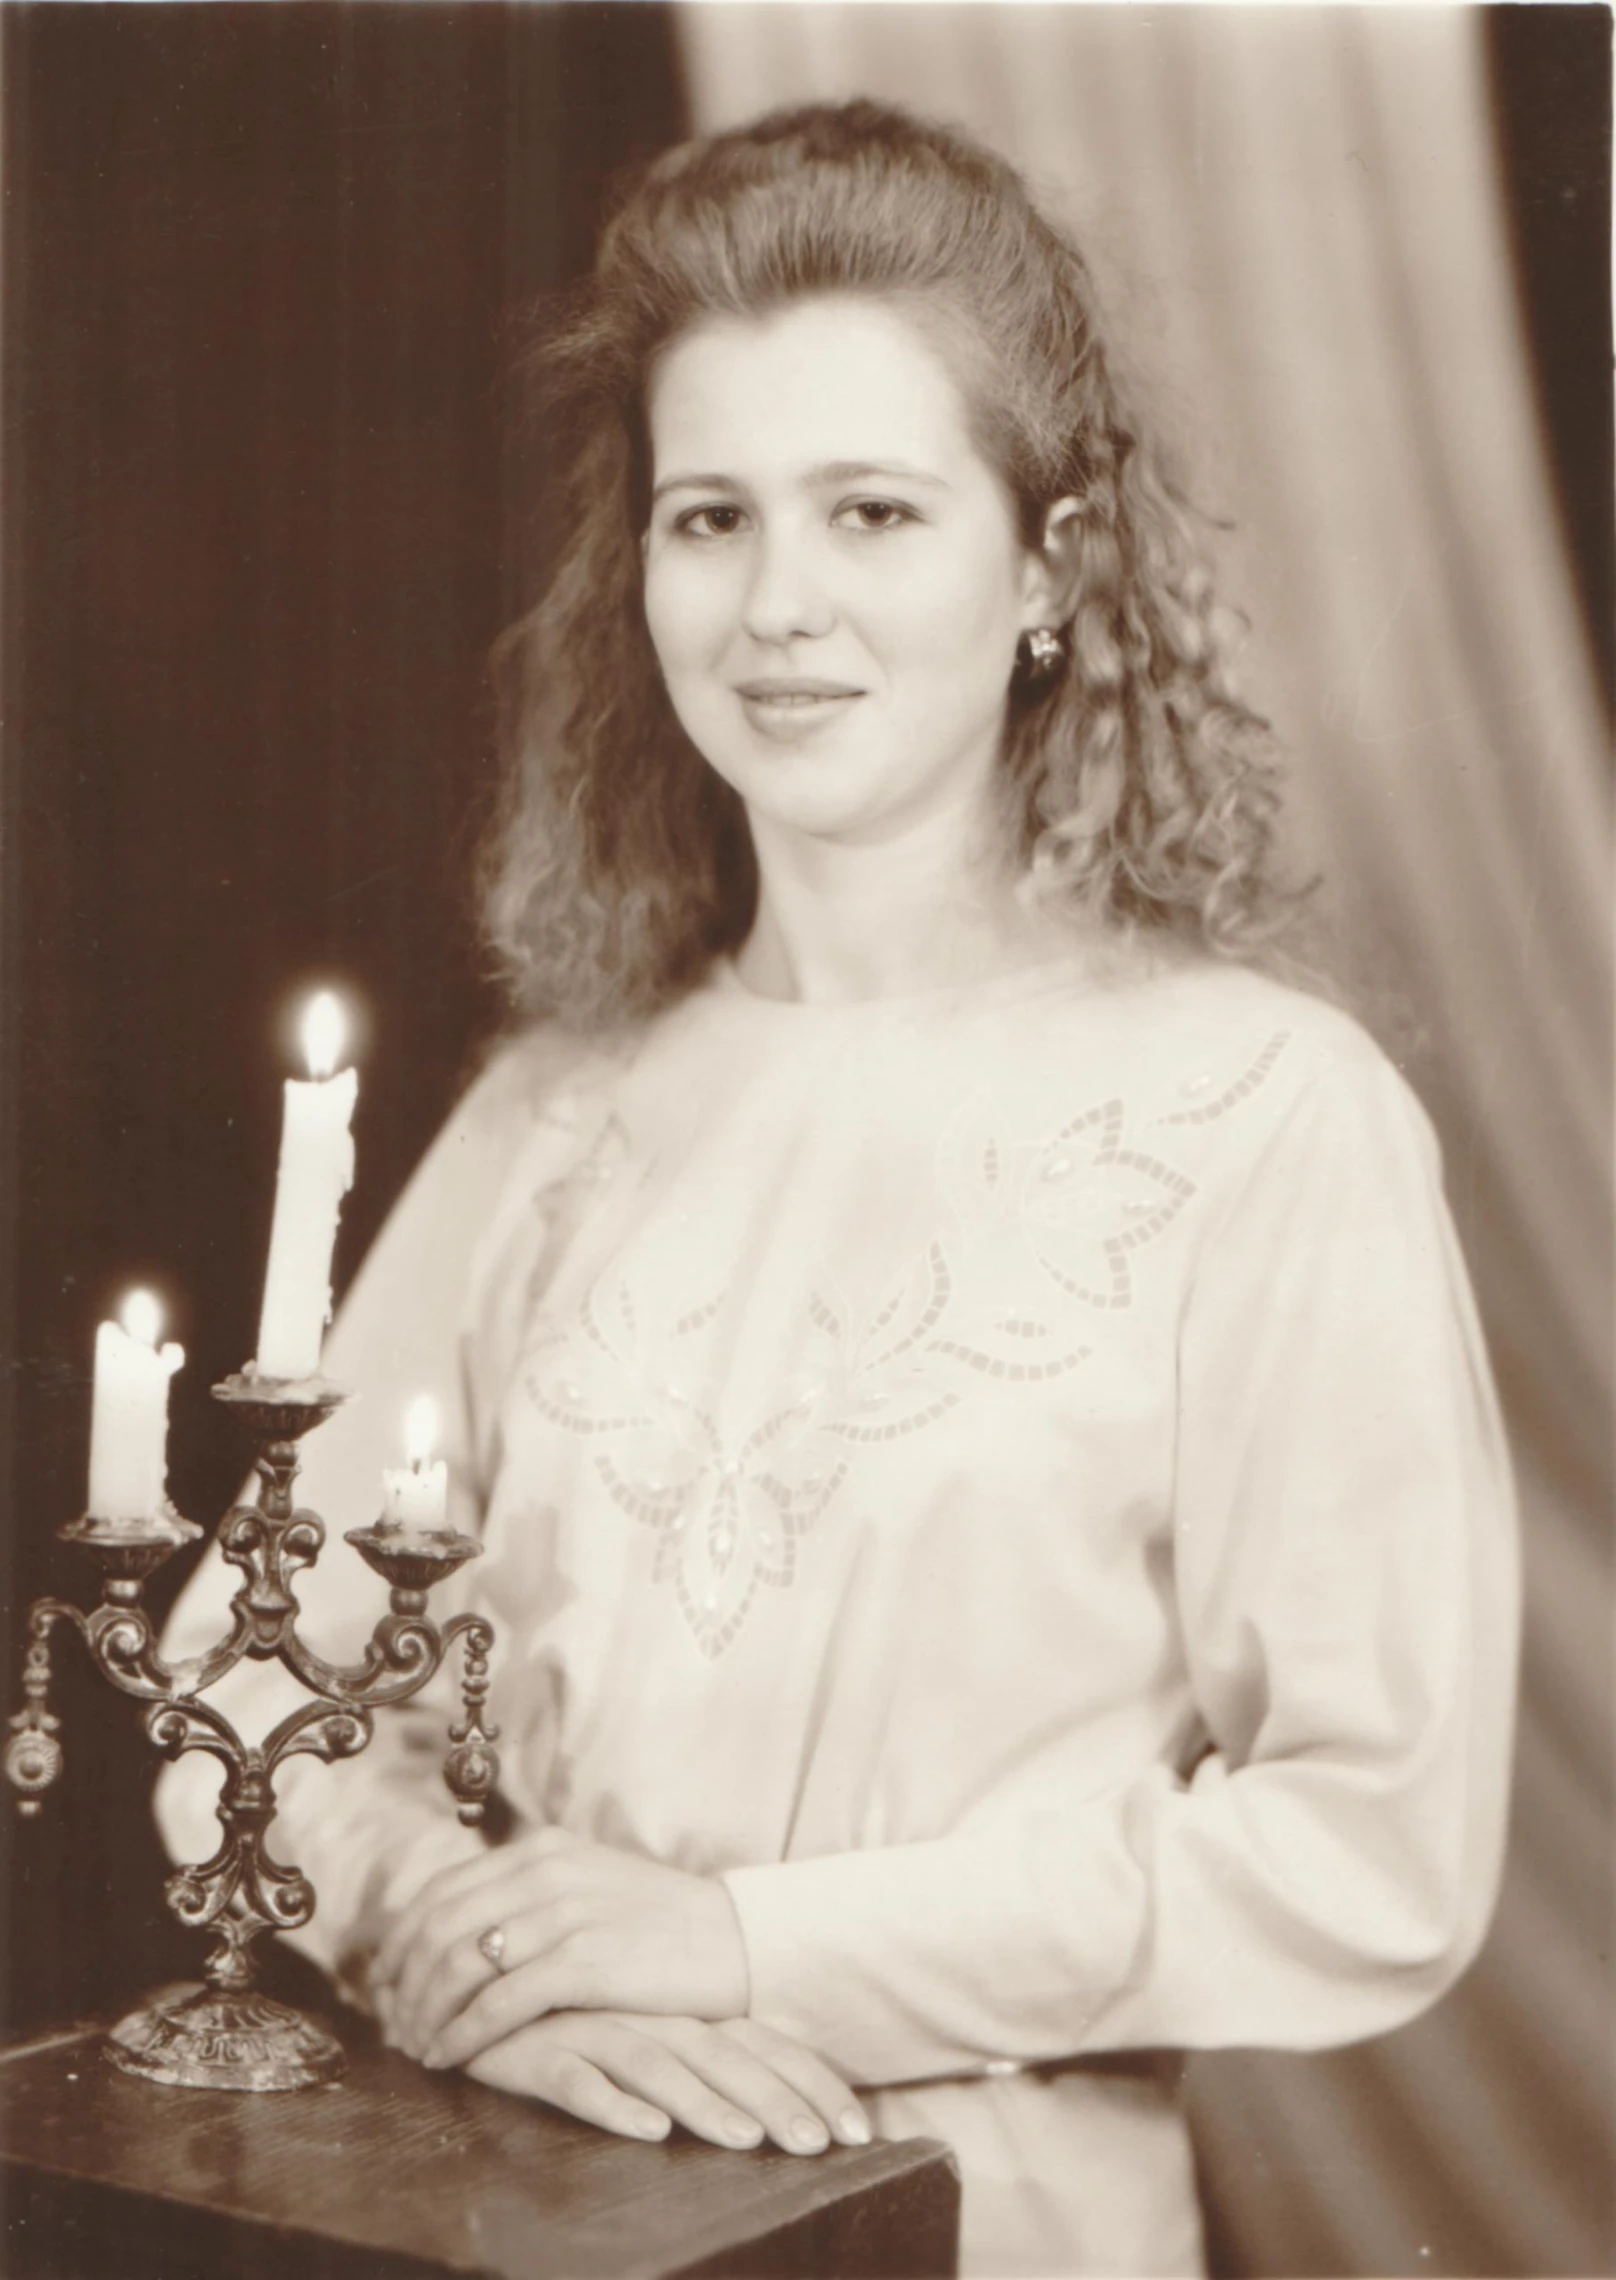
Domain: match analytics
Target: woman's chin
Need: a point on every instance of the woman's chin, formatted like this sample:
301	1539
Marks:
811	796
826	813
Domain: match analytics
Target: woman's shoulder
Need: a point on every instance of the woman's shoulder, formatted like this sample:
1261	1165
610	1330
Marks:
529	1068
541	1075
1210	1012
527	1099
1234	1063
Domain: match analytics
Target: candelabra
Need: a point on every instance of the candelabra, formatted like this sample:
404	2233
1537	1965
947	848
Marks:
225	2034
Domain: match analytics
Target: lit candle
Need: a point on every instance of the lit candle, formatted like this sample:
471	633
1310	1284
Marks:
417	1495
316	1172
129	1420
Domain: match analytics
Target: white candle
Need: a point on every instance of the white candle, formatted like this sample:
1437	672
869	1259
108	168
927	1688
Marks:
316	1172
417	1495
129	1420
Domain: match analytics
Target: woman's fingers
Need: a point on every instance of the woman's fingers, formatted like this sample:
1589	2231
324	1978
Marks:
433	1987
641	2059
445	1965
631	2072
447	1889
682	2068
797	2121
405	1928
818	2084
534	2066
602	2069
449	1970
459	1886
508	2002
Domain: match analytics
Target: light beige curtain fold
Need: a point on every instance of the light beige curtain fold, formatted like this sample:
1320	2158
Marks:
1296	219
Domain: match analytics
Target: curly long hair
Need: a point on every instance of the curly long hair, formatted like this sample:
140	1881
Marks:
1140	792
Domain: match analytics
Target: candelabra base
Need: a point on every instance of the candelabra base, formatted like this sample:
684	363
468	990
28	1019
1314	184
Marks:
198	2039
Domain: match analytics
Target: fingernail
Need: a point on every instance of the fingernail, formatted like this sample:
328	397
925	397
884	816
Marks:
649	2125
739	2132
810	2136
854	2127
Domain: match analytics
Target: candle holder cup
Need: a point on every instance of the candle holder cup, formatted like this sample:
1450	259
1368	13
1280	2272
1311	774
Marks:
225	2035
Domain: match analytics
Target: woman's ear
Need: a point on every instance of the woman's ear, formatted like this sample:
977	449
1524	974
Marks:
1051	590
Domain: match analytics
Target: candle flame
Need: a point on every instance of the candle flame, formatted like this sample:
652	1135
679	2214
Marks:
142	1317
421	1430
324	1033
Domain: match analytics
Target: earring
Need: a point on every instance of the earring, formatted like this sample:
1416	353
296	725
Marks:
1042	652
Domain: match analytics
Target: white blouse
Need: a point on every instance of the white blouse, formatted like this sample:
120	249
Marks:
1008	1479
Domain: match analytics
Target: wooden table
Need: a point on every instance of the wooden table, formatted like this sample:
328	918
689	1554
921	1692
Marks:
395	2174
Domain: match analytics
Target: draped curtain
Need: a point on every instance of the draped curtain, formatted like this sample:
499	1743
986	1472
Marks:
1296	221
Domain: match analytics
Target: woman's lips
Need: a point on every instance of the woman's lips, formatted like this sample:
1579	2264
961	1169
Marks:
785	711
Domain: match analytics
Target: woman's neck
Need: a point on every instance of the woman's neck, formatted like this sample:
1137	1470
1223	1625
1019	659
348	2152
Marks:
840	922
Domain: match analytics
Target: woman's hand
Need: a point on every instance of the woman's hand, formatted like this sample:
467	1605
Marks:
634	2073
585	1927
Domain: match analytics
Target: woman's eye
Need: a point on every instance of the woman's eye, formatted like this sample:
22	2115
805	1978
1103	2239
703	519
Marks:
873	514
718	521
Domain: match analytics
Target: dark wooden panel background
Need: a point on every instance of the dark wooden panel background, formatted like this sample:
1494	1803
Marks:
262	521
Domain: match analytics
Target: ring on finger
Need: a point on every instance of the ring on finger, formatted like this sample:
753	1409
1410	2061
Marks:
491	1946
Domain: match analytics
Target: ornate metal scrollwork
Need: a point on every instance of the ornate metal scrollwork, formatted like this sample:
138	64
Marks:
226	2035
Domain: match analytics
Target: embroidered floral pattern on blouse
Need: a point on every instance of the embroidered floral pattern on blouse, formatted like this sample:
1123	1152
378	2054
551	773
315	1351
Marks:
1046	1233
1078	1205
727	1504
1250	1081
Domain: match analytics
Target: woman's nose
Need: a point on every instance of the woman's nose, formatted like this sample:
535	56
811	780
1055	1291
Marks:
786	599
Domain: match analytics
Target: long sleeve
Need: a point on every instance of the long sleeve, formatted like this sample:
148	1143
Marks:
369	1830
1345	1575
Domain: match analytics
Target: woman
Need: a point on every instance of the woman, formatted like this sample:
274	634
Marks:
994	1511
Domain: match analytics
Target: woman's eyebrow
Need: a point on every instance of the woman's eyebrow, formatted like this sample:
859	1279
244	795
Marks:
694	483
860	470
830	471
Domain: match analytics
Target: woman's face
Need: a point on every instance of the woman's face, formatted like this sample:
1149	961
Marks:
834	581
